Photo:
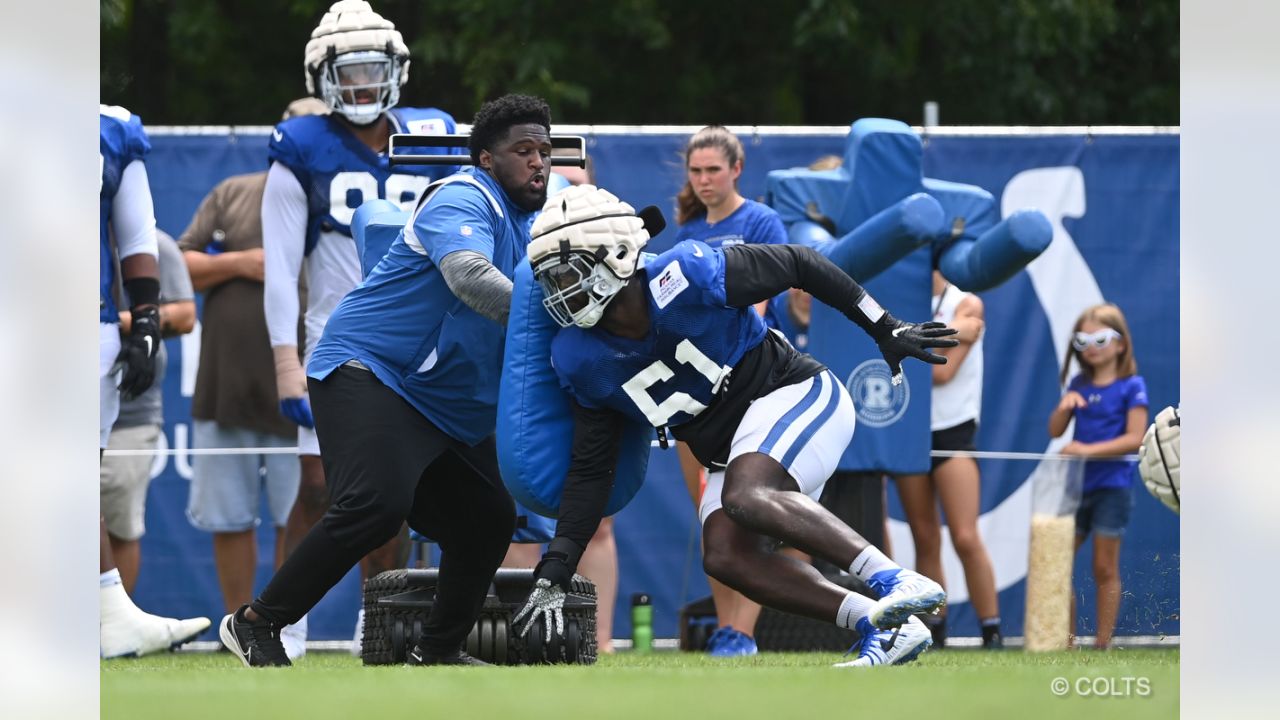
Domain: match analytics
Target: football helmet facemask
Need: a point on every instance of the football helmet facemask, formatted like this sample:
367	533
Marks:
356	62
586	246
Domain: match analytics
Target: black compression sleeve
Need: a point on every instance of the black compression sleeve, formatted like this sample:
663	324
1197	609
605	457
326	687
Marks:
757	272
590	479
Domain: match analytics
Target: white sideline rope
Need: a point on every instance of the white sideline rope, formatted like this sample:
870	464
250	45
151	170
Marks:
745	131
976	455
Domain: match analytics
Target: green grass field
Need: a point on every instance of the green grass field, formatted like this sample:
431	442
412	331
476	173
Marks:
949	685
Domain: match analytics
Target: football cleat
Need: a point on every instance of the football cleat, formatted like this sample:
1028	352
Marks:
727	642
903	593
898	646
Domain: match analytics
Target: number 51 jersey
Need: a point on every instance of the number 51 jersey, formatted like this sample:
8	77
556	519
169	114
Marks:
679	374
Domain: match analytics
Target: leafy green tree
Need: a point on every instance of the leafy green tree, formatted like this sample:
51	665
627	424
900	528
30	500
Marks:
675	62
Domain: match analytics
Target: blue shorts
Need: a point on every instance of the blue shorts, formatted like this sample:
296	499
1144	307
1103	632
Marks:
1105	512
226	490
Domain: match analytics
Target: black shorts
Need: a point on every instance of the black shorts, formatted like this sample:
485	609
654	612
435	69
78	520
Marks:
955	438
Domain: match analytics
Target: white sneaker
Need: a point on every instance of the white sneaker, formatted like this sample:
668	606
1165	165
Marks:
358	639
903	593
294	639
898	646
126	631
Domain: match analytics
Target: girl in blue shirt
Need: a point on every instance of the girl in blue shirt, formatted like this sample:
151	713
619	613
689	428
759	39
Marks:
1108	400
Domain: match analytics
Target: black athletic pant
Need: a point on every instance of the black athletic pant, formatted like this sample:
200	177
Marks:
385	463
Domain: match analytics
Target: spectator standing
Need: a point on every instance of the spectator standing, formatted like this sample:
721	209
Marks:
1108	401
710	209
954	482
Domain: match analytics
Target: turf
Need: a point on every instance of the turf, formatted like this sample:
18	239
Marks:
948	685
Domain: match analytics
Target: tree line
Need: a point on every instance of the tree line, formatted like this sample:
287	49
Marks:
754	62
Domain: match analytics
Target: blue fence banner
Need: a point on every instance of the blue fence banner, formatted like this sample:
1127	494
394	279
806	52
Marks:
1112	199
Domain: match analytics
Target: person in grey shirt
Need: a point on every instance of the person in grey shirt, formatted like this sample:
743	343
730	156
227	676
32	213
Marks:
124	479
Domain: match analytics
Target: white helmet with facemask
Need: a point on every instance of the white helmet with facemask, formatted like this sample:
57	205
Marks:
586	246
356	62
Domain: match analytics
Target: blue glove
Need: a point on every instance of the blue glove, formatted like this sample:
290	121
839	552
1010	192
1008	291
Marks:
298	410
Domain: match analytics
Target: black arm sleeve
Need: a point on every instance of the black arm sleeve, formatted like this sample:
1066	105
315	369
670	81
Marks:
590	479
757	272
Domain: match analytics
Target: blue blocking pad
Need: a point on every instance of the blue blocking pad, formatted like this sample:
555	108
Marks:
535	419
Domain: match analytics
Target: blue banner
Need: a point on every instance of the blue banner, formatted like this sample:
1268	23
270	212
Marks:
1113	203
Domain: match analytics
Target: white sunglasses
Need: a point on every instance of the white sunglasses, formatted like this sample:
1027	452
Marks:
1100	339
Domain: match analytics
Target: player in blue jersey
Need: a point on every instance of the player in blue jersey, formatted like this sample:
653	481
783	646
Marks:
405	385
127	365
323	167
674	342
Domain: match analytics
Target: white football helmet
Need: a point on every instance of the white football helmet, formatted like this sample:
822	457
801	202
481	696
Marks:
356	62
586	245
1160	458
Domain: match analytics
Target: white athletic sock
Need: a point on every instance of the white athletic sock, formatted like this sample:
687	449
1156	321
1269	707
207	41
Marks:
113	602
869	562
854	608
110	577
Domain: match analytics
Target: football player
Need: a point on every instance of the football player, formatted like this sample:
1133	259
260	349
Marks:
323	167
405	384
675	342
127	365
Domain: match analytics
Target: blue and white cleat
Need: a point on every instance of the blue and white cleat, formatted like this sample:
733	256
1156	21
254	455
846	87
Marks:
903	593
898	646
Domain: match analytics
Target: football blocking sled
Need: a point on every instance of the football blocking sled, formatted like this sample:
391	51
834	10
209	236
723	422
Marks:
397	602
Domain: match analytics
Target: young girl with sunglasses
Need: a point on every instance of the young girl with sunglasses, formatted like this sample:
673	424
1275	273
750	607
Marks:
1108	400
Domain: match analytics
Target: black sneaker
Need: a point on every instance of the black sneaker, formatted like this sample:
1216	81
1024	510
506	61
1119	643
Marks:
418	656
992	639
257	644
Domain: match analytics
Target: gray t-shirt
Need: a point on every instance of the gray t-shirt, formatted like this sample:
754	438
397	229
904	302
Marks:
175	286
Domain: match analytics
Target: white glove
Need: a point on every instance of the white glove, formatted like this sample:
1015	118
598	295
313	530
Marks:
546	601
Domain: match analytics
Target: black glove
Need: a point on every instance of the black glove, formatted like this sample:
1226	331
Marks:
898	340
138	352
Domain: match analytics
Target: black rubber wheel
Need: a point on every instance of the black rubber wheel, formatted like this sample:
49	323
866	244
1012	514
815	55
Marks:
500	640
486	639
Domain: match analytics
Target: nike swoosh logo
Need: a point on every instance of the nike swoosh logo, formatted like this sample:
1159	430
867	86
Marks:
697	251
898	331
887	645
279	136
864	567
149	341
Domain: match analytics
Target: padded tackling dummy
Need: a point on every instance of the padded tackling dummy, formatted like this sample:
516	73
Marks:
888	226
374	226
535	419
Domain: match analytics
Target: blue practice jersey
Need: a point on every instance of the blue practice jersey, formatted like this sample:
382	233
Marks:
752	222
671	376
339	173
121	140
404	323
